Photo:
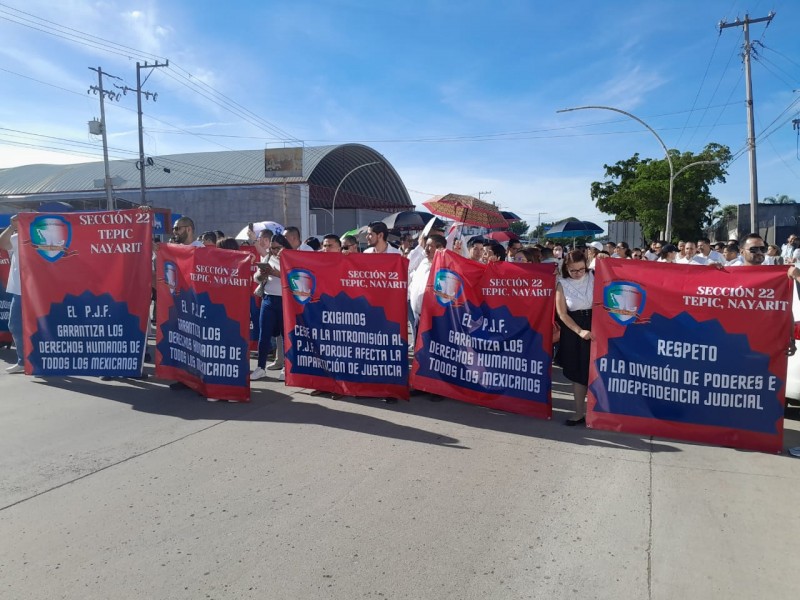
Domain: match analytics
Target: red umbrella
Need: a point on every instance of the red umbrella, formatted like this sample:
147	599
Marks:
502	236
466	209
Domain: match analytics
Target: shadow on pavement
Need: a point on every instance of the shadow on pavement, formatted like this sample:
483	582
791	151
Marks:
153	396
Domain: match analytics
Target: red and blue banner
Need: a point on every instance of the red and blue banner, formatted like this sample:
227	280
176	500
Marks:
85	292
486	334
345	320
691	353
203	319
5	297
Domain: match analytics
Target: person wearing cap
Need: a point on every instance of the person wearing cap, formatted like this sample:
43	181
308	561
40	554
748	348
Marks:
668	253
591	252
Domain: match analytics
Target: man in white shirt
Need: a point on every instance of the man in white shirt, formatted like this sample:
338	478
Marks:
418	280
377	239
654	251
787	250
292	235
690	256
732	256
754	250
183	233
711	255
9	241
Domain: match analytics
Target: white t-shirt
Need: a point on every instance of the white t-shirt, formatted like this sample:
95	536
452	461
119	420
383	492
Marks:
697	259
389	250
416	286
14	286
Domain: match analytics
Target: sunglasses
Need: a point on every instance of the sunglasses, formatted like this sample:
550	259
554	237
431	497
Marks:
576	271
757	249
348	246
276	247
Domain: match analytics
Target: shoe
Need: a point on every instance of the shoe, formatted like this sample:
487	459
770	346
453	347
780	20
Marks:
258	373
795	451
574	422
13	369
275	366
390	400
282	375
335	396
178	386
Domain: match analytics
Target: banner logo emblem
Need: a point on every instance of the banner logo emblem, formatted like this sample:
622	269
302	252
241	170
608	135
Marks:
171	276
447	286
624	301
302	284
51	235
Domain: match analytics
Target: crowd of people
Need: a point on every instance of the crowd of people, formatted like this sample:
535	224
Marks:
574	267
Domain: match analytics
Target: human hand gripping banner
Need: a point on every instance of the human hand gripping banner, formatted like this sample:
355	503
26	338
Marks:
85	292
345	321
692	353
485	334
5	297
203	319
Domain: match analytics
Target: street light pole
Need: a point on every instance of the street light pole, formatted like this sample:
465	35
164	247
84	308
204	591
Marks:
668	230
672	173
660	141
333	203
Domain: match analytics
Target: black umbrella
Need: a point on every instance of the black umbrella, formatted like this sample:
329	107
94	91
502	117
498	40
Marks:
408	219
573	228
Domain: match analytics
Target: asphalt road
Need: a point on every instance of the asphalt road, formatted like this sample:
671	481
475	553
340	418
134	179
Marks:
128	490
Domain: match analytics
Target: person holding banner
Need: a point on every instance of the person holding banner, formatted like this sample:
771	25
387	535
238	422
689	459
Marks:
9	242
574	294
271	316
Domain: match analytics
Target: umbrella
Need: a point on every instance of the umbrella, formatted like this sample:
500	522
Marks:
258	227
502	236
360	234
510	216
467	210
409	219
573	228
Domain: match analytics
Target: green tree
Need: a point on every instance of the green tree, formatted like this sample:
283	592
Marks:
779	199
519	227
638	189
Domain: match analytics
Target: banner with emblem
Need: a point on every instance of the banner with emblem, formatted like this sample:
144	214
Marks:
486	334
5	297
85	292
691	353
345	322
203	319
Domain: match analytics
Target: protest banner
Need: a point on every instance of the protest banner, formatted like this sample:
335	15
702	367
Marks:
689	352
85	292
5	297
485	334
203	319
345	322
255	302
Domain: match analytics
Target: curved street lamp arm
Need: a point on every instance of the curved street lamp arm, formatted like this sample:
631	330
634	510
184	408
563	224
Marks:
333	203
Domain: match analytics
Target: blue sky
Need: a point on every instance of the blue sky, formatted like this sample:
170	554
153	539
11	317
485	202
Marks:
458	96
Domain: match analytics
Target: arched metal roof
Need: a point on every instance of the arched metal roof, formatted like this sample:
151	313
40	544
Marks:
375	186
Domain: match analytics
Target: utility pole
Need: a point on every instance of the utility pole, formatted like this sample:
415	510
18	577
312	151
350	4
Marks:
539	223
751	136
98	89
125	89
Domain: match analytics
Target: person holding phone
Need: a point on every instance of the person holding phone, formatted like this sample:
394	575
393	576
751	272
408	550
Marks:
271	315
